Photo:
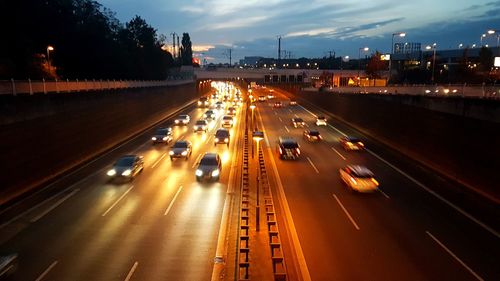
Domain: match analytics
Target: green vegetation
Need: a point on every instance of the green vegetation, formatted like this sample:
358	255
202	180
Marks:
88	41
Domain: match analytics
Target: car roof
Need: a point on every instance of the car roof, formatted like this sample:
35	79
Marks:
287	140
202	121
222	130
210	155
182	141
313	132
227	117
297	119
359	170
349	138
183	116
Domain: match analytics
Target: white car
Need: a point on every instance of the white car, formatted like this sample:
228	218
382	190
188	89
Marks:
321	121
227	121
358	178
182	120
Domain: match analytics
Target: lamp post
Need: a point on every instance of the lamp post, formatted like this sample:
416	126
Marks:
365	49
481	39
49	49
252	107
494	31
433	47
257	137
400	34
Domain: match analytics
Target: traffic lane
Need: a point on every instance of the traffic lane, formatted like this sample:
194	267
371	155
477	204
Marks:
50	235
455	230
320	222
374	226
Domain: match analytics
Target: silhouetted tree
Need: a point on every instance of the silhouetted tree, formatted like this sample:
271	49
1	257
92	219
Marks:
186	50
375	65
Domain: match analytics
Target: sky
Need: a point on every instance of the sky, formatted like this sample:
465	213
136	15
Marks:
313	28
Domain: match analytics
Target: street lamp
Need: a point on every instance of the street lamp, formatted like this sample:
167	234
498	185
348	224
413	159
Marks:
365	49
433	47
481	39
400	34
252	107
257	137
460	45
493	31
49	49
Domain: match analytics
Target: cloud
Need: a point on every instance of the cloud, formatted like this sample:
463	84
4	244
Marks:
202	48
236	23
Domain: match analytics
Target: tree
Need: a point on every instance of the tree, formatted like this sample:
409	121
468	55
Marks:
375	66
186	50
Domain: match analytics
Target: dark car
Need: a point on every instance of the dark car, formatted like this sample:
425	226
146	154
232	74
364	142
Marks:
298	122
288	148
222	137
278	104
209	167
351	143
209	114
182	148
292	102
162	135
312	135
203	102
201	126
127	167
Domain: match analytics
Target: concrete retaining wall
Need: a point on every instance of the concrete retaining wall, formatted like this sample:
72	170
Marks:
463	148
61	130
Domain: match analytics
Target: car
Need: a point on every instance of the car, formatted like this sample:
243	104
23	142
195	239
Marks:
127	167
8	265
222	136
182	119
312	135
270	96
209	167
351	143
227	121
358	178
262	98
162	135
209	114
321	121
277	104
231	111
292	102
219	105
182	148
288	148
298	122
203	102
201	126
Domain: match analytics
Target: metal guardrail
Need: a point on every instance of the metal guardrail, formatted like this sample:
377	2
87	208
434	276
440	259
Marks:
31	87
244	225
278	261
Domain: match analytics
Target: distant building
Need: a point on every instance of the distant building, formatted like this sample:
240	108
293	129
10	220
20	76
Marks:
250	61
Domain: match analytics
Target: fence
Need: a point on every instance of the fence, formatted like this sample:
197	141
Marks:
14	87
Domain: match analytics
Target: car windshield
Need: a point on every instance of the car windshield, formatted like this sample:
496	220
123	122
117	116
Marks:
125	162
208	161
201	122
353	139
298	120
180	144
289	145
321	118
183	116
314	133
222	134
162	131
227	118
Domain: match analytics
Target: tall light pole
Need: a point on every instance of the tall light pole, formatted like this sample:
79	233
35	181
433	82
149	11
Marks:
252	107
481	39
365	49
494	31
400	34
428	47
49	49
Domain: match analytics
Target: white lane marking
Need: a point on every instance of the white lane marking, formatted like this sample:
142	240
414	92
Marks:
315	116
296	116
46	271
132	270
312	164
196	161
341	156
275	113
55	205
141	147
117	201
208	139
172	202
346	212
290	110
304	270
383	193
280	119
458	209
453	206
158	161
454	256
286	128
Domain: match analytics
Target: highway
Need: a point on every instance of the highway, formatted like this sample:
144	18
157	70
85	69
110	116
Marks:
163	225
405	231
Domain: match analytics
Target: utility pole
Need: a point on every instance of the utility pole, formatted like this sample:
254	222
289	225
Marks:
230	53
279	50
178	48
173	44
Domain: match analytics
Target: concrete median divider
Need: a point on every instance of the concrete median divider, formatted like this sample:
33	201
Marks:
244	224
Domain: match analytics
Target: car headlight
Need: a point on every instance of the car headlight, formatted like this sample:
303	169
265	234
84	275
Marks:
153	138
215	173
111	172
171	153
127	172
176	121
184	153
199	102
165	138
216	139
226	140
198	173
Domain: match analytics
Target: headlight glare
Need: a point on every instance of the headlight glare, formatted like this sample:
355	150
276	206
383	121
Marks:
215	173
111	172
127	172
199	173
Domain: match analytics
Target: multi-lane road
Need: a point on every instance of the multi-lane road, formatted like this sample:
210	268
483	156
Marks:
405	231
163	225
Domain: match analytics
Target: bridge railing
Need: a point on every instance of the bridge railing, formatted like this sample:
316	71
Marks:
14	87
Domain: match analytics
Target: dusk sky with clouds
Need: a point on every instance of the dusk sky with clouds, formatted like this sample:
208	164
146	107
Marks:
312	28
